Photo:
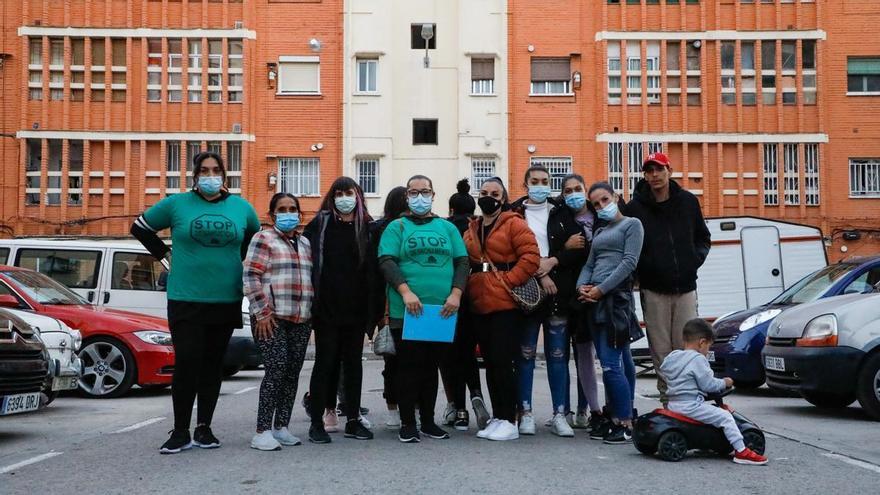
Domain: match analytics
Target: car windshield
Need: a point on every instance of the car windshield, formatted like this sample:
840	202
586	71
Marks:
43	289
813	286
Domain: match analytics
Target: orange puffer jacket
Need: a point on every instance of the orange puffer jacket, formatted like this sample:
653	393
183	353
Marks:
510	241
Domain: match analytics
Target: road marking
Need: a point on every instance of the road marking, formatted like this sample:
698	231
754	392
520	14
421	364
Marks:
244	390
140	425
854	462
28	462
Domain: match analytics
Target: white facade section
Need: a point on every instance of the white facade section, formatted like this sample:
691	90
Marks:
381	99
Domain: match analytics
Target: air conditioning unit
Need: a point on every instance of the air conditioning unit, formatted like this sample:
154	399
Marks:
238	25
236	128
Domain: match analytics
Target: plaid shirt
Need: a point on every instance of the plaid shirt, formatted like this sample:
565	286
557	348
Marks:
278	276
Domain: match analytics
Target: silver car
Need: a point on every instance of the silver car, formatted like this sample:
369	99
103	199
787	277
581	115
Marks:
828	351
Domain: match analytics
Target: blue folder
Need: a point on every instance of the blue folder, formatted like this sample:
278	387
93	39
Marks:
430	326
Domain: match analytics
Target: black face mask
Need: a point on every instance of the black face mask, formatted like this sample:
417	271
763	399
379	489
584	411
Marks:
489	205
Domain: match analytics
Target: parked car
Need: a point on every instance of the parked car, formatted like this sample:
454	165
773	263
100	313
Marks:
24	365
117	274
740	336
828	351
62	342
119	348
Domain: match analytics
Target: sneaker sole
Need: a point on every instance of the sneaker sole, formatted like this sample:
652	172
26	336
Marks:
312	440
461	428
504	439
563	435
176	451
435	437
206	445
294	444
409	440
749	463
481	413
618	442
530	433
356	437
265	450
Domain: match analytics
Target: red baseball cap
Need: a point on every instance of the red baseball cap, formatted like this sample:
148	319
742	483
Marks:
658	158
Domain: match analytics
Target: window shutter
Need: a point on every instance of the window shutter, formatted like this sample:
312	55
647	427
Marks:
482	69
551	69
863	66
298	77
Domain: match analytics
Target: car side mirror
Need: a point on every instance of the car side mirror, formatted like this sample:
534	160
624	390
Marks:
9	301
163	281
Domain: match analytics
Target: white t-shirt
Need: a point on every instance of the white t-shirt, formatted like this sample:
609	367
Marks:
537	216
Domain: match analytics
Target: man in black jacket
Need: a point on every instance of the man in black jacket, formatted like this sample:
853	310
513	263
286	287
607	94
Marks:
676	244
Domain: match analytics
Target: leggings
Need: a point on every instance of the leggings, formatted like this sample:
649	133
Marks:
416	379
585	355
283	355
198	364
336	346
498	335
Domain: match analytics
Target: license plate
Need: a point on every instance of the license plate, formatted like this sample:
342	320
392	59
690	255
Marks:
774	363
13	404
64	383
711	356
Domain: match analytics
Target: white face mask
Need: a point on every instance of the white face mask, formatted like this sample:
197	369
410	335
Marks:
345	204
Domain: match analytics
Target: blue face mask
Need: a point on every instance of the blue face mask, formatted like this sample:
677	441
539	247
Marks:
210	185
608	213
345	204
420	205
539	194
576	201
286	222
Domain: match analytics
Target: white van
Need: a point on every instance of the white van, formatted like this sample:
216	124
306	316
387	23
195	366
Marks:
116	274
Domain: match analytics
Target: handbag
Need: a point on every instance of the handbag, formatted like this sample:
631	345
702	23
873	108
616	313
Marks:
383	344
527	296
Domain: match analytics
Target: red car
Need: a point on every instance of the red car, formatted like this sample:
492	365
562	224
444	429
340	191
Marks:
119	348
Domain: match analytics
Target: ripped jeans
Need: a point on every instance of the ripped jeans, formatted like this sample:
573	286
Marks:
618	375
556	352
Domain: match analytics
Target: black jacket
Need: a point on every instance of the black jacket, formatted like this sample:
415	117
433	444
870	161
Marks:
615	314
677	240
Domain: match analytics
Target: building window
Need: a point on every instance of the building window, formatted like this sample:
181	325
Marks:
811	174
235	76
614	89
768	72
558	167
634	73
368	175
53	186
863	75
694	89
864	177
652	65
35	76
482	76
33	168
771	175
367	75
792	174
615	166
808	68
299	176
673	73
416	40
299	75
172	166
215	147
482	168
551	76
634	168
215	71
425	131
154	70
789	73
233	166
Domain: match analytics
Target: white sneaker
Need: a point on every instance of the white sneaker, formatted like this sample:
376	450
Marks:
569	417
560	426
581	421
265	441
504	431
393	421
365	422
485	432
527	424
449	414
284	437
331	421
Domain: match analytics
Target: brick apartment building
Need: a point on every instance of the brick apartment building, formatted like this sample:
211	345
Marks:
766	107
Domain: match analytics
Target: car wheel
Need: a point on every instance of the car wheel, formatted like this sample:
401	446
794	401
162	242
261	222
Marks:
230	371
869	386
755	441
645	448
828	401
672	446
108	368
748	385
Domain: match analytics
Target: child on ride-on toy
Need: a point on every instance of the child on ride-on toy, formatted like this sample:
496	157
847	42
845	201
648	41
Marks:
688	376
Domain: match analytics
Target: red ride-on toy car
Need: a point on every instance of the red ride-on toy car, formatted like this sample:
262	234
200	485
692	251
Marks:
672	435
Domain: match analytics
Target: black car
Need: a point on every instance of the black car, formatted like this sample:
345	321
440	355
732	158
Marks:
24	365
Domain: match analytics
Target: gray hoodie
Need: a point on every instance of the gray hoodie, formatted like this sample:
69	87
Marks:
688	375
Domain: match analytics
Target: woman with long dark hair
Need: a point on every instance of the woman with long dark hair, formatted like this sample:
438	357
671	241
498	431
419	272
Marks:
342	271
278	284
210	231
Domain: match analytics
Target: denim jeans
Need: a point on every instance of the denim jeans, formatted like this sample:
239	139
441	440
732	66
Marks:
556	352
618	375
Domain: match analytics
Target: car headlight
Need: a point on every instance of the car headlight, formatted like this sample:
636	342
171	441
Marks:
725	315
758	318
77	340
154	337
821	331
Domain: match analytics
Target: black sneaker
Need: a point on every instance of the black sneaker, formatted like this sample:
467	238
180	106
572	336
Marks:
618	435
340	410
432	430
179	441
596	420
317	434
355	429
307	404
462	420
203	437
409	434
601	430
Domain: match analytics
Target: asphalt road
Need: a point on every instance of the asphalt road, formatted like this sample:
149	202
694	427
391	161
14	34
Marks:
111	446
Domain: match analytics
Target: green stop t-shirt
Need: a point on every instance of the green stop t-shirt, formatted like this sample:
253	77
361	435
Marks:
424	253
206	245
